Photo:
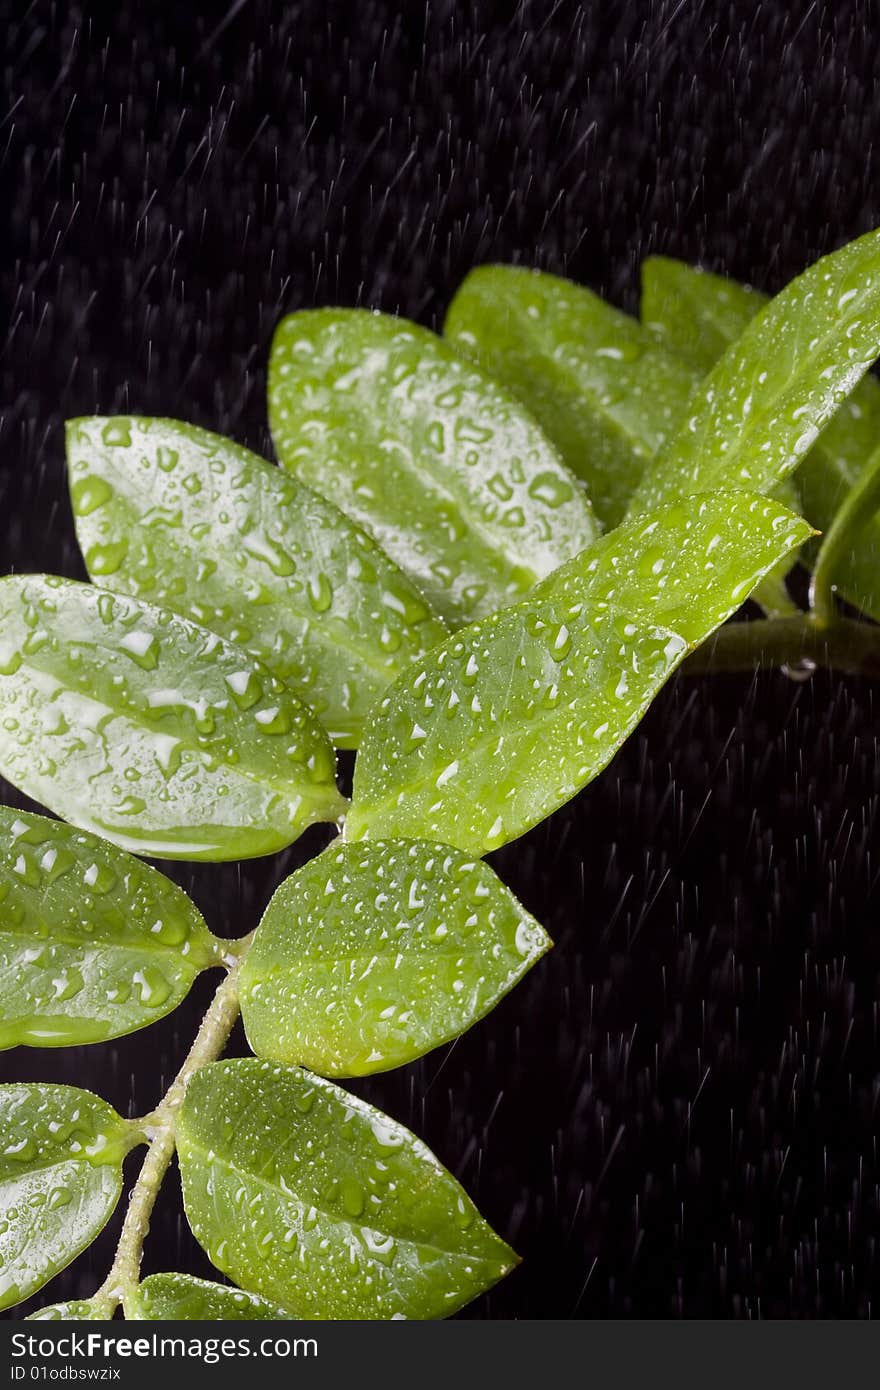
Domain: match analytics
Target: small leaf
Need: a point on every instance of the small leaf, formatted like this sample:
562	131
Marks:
81	1310
509	718
180	1297
372	954
61	1152
708	313
453	478
602	388
189	520
155	733
93	943
309	1197
763	405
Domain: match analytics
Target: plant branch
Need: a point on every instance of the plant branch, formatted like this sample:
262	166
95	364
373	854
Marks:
844	645
122	1281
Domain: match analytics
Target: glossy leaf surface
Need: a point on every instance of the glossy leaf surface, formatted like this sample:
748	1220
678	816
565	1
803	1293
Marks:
374	953
509	718
762	407
604	390
702	313
309	1197
193	522
79	1310
181	1297
453	478
93	943
131	721
61	1152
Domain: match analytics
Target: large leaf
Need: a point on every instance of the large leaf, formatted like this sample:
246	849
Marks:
374	953
180	1297
606	393
93	943
762	407
189	520
448	472
702	314
509	718
61	1152
164	738
308	1196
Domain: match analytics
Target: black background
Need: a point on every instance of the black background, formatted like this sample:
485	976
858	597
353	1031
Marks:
677	1113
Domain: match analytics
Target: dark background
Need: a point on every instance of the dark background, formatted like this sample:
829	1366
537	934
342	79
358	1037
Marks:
677	1113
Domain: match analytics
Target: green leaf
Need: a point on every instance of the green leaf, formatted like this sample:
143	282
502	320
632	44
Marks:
189	520
448	472
61	1152
155	733
707	313
93	943
763	405
182	1298
602	388
509	718
372	954
694	313
81	1310
308	1196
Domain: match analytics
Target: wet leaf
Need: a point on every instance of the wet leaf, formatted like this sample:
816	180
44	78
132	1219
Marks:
191	521
453	478
93	943
703	314
693	313
509	718
309	1197
81	1310
374	953
180	1297
61	1152
762	407
130	721
606	393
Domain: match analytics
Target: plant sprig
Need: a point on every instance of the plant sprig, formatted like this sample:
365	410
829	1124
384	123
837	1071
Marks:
240	625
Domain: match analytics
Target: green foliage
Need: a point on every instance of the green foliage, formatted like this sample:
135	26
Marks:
93	943
700	315
763	405
61	1152
193	522
448	472
604	390
193	730
311	1198
180	1297
155	733
374	953
508	719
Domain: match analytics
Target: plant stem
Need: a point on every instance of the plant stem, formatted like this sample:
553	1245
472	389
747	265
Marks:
843	645
122	1281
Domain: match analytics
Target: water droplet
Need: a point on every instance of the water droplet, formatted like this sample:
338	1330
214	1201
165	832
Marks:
320	592
551	489
106	558
117	434
88	494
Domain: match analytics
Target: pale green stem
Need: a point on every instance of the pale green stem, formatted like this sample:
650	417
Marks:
122	1281
859	505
